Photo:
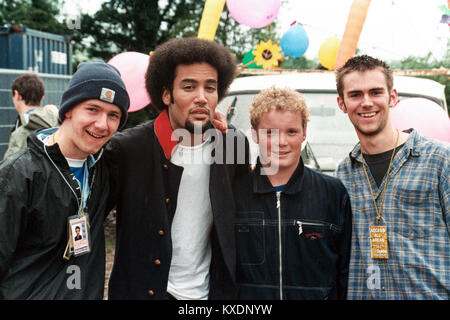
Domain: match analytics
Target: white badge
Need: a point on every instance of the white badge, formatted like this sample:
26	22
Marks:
79	234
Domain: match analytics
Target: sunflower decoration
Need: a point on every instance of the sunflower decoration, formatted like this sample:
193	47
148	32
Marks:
267	54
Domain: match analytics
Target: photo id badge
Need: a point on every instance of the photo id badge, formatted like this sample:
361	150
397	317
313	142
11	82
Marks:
379	242
79	234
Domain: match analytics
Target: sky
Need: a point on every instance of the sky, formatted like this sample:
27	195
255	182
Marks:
393	29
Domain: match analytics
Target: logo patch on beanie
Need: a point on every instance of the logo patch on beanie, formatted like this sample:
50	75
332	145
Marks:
107	95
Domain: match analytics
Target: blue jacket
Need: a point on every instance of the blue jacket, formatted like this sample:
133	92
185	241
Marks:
293	244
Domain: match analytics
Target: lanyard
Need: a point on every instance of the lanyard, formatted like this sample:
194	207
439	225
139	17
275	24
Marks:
84	190
378	209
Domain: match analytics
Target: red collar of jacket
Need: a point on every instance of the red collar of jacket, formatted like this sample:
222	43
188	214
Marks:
164	133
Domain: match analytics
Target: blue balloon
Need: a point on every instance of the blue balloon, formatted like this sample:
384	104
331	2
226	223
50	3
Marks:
295	41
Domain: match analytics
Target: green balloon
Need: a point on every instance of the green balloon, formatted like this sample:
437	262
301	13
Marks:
249	56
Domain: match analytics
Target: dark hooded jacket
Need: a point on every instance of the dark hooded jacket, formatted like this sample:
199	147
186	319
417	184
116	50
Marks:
39	118
35	202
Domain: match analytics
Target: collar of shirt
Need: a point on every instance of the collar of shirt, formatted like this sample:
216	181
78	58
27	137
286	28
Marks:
410	146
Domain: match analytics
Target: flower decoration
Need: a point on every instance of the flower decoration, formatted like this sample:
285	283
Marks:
267	54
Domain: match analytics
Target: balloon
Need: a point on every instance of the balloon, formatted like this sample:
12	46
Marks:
355	22
424	115
254	13
210	19
295	41
132	67
249	56
328	51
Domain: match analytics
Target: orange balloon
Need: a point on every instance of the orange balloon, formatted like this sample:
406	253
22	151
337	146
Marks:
355	22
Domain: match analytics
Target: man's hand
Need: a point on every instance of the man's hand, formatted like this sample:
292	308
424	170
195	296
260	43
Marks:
219	121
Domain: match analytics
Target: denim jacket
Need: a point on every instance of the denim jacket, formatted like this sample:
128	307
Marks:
293	244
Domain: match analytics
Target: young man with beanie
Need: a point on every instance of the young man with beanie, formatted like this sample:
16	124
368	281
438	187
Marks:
175	214
60	184
27	94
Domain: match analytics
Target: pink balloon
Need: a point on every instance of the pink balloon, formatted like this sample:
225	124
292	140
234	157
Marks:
254	13
132	67
424	115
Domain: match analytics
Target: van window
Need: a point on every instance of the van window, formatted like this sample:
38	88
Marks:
330	134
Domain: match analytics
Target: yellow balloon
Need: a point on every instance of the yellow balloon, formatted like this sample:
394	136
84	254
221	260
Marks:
328	52
210	19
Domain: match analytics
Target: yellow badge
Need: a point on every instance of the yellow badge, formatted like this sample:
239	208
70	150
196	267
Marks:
379	242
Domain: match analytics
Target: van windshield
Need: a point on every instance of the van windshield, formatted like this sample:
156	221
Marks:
330	134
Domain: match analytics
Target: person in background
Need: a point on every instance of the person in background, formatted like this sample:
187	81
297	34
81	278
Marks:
398	182
27	95
293	224
58	182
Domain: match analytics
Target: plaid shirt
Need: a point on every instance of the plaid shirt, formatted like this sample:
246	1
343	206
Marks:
416	210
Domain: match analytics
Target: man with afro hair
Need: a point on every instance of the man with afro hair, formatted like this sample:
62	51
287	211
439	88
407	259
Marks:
172	178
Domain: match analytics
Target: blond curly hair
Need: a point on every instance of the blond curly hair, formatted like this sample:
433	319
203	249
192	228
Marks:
274	98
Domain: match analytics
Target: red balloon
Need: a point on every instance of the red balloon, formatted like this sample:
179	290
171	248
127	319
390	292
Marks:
424	115
132	67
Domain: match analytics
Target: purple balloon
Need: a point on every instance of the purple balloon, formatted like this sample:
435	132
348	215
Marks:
254	13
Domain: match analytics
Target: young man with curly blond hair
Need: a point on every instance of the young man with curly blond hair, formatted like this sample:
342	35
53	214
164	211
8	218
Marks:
293	224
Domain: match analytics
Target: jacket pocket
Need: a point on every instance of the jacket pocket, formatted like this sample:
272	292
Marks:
314	230
250	239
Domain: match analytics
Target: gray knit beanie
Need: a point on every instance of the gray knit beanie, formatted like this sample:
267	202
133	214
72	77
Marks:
95	80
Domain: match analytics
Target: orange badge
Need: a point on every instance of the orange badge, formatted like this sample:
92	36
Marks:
379	242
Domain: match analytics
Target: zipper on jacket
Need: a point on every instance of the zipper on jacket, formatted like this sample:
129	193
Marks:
300	225
280	247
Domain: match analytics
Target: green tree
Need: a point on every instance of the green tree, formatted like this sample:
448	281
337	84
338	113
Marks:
239	39
428	62
140	25
300	63
35	14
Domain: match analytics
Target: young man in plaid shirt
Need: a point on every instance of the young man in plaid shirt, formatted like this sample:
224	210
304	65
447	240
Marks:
399	188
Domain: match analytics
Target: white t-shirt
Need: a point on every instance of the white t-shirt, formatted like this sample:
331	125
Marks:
191	226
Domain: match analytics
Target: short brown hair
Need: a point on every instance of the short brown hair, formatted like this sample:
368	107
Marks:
185	51
278	99
363	63
30	87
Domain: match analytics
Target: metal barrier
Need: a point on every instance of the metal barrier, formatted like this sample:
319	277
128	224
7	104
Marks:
27	49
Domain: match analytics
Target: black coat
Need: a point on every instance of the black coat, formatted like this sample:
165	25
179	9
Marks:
146	188
313	230
35	203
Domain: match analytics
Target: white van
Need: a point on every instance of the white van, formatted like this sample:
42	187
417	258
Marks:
330	135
